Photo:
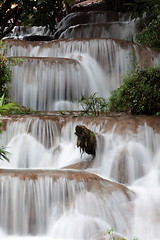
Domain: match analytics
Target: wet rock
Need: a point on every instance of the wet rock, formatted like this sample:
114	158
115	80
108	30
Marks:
80	165
92	181
76	18
86	140
38	38
89	5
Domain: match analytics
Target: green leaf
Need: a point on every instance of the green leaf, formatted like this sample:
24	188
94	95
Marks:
2	100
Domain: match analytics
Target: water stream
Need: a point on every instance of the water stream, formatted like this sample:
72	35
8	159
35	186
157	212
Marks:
57	204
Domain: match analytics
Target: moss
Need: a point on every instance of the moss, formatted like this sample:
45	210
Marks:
14	109
86	140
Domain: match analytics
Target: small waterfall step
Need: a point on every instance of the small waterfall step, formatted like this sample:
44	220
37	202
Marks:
45	142
30	32
118	30
50	84
39	198
45	200
92	17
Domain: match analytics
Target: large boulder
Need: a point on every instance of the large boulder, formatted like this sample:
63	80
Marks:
86	140
89	5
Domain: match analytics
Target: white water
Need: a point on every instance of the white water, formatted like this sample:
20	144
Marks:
119	30
62	209
57	84
94	66
62	71
79	214
19	32
43	207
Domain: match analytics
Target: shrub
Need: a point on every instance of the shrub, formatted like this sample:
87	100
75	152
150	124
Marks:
139	93
5	76
5	71
151	34
93	104
3	153
11	108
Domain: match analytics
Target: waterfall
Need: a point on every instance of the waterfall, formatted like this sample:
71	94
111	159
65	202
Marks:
43	206
56	74
36	202
120	30
49	189
57	84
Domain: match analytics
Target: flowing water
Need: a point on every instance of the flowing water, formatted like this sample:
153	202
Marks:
49	190
55	74
76	204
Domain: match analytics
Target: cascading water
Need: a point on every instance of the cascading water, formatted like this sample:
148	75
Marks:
94	66
57	84
78	204
49	190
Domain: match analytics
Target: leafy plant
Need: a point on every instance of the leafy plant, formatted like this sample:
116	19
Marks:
139	93
5	71
1	100
3	153
112	236
151	34
93	104
12	108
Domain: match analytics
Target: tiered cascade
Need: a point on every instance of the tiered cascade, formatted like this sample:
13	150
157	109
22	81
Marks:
49	190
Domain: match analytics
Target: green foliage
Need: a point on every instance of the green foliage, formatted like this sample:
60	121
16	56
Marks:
15	109
111	236
139	93
1	100
151	34
3	152
5	72
93	105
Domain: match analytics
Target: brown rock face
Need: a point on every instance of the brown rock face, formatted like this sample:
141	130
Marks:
86	140
89	5
92	182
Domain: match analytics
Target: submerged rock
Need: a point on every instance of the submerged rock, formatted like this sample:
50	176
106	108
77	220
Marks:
86	140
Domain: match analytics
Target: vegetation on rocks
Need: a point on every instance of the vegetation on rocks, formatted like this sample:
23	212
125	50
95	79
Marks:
139	93
150	35
86	140
5	72
12	108
148	11
93	105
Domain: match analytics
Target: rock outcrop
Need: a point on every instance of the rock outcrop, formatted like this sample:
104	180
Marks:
86	140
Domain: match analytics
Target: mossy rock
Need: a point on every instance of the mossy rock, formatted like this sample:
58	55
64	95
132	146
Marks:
14	109
86	140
